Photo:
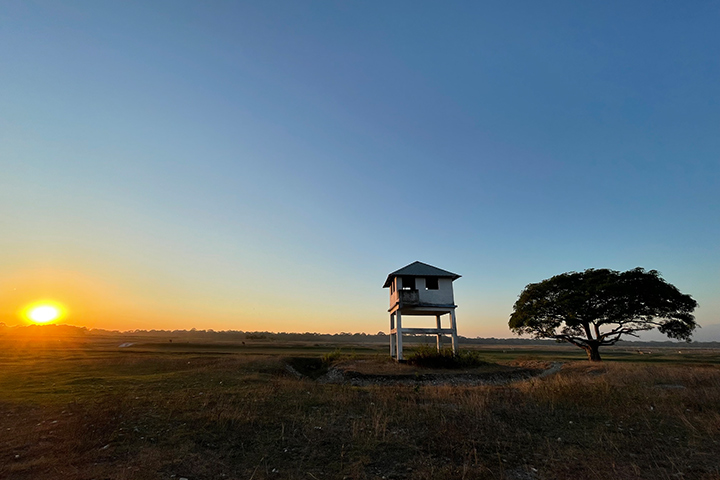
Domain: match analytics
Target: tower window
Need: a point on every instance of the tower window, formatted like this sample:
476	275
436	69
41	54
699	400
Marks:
408	283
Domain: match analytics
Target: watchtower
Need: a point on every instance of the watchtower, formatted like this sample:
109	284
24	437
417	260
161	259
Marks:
421	289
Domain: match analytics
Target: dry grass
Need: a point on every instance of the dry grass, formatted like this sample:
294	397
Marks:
84	414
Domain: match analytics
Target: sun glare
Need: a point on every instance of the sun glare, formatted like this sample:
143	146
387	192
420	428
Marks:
43	312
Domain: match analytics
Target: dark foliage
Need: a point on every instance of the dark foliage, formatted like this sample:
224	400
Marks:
429	357
598	307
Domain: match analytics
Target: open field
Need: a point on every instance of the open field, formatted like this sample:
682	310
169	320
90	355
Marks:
87	409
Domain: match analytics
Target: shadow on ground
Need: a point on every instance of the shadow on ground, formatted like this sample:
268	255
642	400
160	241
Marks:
365	372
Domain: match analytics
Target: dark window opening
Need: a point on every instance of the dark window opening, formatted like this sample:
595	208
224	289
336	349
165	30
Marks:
431	283
408	283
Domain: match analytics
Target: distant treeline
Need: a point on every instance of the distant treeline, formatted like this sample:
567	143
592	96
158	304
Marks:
242	336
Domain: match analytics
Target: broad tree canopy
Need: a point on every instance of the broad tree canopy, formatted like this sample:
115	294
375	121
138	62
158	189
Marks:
599	306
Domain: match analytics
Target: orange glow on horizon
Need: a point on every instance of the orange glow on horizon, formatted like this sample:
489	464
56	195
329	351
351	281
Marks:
99	300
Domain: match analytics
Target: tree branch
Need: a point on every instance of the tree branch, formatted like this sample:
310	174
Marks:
577	341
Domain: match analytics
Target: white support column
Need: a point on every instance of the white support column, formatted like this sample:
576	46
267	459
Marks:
392	335
439	335
398	336
453	326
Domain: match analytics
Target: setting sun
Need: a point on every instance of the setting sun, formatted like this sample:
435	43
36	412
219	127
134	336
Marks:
43	312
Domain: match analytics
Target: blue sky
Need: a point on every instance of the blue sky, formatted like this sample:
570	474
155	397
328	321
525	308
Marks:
264	165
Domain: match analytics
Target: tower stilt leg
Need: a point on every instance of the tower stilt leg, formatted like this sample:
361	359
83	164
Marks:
453	326
439	335
399	336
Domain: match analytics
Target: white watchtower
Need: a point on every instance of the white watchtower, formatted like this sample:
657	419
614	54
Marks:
421	289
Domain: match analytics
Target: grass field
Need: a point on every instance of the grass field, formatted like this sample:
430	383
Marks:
87	409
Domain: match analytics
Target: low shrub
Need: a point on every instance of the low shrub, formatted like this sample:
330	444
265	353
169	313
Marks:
430	357
333	356
337	355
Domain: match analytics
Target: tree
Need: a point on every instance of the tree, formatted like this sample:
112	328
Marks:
594	308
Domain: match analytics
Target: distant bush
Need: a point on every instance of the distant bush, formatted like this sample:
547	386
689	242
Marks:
429	357
255	336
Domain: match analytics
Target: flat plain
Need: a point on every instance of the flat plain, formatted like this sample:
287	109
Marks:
87	408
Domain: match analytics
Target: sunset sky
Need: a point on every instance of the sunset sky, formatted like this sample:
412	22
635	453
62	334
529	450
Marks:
264	165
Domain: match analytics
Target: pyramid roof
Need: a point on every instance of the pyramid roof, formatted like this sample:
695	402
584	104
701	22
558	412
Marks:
419	269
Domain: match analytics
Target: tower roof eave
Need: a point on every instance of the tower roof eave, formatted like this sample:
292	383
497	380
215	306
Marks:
419	269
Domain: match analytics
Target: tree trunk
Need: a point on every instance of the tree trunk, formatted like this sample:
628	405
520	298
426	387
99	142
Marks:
593	351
